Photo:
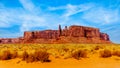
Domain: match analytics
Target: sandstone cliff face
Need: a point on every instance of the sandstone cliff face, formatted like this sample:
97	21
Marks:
47	34
72	34
104	36
10	40
81	31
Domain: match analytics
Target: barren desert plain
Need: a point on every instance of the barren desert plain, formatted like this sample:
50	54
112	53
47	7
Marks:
59	56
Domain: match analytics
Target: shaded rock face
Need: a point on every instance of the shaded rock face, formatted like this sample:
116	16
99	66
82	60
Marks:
104	36
47	34
73	34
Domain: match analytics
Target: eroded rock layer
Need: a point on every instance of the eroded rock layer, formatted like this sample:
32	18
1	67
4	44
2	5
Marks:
72	34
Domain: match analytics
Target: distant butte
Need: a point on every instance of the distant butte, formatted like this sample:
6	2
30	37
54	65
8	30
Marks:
72	34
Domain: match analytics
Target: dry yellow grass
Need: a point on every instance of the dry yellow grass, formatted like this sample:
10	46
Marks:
57	50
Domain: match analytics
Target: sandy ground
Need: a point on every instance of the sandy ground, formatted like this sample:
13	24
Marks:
90	62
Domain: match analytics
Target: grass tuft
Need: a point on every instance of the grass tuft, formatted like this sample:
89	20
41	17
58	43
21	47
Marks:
105	53
116	53
41	56
79	54
7	55
25	55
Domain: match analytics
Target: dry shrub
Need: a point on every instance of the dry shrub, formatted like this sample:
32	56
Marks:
42	56
14	54
97	48
105	53
79	54
66	49
7	55
25	55
30	58
116	53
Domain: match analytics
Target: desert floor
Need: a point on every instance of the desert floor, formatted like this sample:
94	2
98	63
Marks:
93	60
90	62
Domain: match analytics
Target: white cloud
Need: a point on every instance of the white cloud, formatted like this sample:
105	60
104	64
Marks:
72	9
19	16
27	4
26	20
7	17
30	21
101	15
92	13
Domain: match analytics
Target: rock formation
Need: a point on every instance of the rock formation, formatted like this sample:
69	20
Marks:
72	34
10	40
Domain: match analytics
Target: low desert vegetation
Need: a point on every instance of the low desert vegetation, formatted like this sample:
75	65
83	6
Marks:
105	53
7	55
116	53
44	52
25	55
79	54
41	56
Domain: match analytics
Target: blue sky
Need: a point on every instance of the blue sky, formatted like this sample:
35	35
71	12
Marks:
17	16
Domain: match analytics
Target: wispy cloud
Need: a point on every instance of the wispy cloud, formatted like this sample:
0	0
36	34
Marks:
20	16
27	4
26	20
72	9
102	15
7	17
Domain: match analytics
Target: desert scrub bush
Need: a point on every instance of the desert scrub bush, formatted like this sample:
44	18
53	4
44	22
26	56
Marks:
30	58
105	53
97	48
41	56
25	55
66	49
116	53
14	54
79	54
7	55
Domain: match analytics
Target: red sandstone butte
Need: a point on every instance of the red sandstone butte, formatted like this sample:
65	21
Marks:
72	34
